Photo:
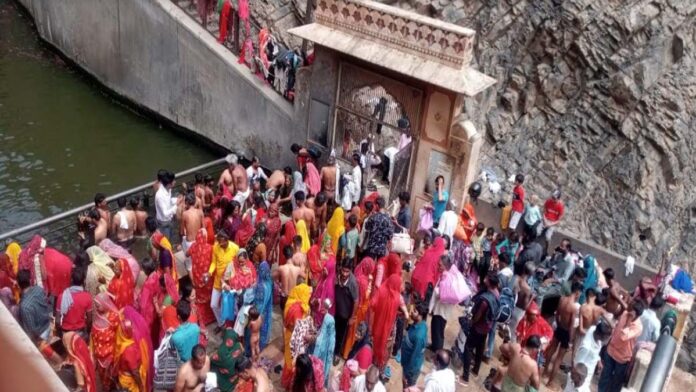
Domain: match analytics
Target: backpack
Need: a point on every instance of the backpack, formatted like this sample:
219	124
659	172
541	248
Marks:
507	304
167	363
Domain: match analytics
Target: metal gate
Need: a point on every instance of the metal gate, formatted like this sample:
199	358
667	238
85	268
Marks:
368	108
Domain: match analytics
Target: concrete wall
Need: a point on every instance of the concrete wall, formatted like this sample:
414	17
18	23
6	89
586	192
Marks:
152	53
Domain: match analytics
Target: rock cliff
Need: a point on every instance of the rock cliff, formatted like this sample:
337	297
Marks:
597	98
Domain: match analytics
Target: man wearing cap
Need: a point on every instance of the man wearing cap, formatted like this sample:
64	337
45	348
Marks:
553	212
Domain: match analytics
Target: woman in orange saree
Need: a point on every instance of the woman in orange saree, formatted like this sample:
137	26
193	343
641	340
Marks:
364	275
103	338
133	355
201	253
82	360
122	285
296	308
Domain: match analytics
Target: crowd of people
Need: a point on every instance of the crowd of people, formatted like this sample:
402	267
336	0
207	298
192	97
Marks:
315	245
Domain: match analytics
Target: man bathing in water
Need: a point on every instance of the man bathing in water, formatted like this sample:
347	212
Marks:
235	179
124	224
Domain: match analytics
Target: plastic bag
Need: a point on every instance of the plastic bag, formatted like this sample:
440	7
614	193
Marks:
453	287
229	306
426	219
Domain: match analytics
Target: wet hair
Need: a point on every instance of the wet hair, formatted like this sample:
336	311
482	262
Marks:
288	251
369	206
300	196
134	203
151	224
519	178
243	365
185	288
442	359
198	351
576	287
208	178
320	199
94	214
99	198
405	197
352	220
183	310
23	278
601	299
167	178
603	328
590	292
304	374
381	202
190	199
254	313
533	342
121	202
82	260
287	170
638	307
77	276
295	148
198	178
657	302
609	273
297	241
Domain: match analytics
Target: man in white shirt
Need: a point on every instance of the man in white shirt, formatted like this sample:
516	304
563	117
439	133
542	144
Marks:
368	382
255	172
355	178
441	379
165	204
589	348
651	324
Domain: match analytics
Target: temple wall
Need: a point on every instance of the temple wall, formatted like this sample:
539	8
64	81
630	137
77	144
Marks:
153	54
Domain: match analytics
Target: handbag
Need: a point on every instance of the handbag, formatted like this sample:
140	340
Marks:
167	364
453	287
426	219
402	243
229	306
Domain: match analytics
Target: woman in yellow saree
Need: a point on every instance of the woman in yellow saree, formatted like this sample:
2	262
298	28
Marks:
336	227
13	250
296	308
302	231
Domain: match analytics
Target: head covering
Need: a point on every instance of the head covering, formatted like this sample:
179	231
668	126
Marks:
591	277
325	289
297	185
161	242
28	254
116	251
533	308
299	294
426	270
385	305
263	298
289	233
13	251
165	260
301	228
101	319
336	227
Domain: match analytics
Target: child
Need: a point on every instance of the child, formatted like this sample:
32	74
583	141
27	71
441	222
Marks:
255	322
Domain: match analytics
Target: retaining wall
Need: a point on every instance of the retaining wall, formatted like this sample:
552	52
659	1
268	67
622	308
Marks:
153	54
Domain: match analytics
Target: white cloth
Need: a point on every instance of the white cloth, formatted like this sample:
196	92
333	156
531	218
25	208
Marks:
359	385
651	326
448	224
256	174
355	183
630	263
440	381
570	387
390	152
122	220
165	204
514	220
211	383
588	353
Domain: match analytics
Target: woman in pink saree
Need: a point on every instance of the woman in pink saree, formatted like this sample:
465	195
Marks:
325	288
157	286
118	252
312	179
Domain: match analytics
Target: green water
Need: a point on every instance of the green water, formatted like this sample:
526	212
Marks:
62	138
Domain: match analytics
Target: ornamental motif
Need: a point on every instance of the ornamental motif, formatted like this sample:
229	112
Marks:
443	42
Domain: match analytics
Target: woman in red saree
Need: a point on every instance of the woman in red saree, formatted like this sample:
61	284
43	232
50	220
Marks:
312	179
48	267
7	274
273	226
81	358
427	268
130	359
157	286
317	257
246	230
289	233
103	337
364	276
241	274
122	285
385	305
201	253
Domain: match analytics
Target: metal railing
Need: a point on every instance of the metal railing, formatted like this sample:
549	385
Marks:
60	230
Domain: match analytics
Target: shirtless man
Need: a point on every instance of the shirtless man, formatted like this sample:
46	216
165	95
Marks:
299	258
286	275
328	174
566	319
277	178
103	208
123	224
255	322
235	178
192	374
616	300
590	312
319	206
199	190
247	371
524	294
140	217
101	226
209	192
522	370
302	212
191	221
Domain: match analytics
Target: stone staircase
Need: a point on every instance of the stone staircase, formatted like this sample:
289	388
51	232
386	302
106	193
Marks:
213	26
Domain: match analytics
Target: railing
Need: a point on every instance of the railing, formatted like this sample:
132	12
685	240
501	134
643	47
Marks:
60	231
234	40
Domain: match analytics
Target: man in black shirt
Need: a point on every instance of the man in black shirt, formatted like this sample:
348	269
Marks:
346	297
